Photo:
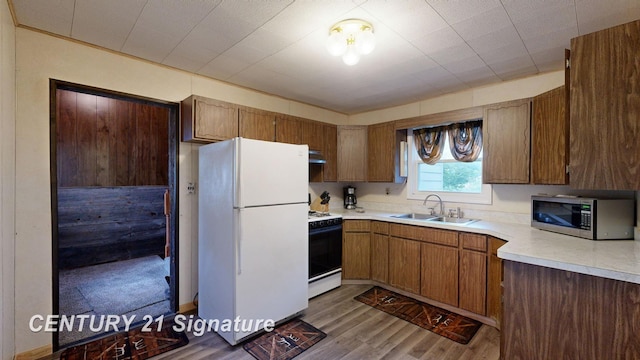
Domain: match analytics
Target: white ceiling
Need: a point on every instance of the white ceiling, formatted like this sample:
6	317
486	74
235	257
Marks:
424	47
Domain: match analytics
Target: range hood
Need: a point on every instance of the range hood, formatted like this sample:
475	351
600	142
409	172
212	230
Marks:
315	157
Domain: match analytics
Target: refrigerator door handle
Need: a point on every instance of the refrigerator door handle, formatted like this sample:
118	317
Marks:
238	238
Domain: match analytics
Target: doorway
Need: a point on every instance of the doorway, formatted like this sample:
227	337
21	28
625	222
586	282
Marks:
113	196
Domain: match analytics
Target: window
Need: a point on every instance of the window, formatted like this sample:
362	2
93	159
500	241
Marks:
453	181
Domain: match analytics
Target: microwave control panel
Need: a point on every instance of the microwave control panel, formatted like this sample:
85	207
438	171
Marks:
585	217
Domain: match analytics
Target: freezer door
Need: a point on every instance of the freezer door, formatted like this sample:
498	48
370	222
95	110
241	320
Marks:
271	173
272	263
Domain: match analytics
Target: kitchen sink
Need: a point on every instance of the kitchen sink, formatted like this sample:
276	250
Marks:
415	216
454	220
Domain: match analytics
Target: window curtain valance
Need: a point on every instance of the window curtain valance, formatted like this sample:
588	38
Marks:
429	143
465	141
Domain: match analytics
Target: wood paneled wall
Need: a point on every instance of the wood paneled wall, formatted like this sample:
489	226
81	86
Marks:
103	224
104	141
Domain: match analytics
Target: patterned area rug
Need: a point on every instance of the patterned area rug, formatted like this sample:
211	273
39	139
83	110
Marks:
135	344
442	322
285	342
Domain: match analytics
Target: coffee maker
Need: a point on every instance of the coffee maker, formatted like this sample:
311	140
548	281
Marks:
350	200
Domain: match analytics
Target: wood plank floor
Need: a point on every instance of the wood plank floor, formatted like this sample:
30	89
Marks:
356	331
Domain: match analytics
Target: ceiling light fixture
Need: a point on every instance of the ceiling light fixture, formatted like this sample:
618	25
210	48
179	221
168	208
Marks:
350	39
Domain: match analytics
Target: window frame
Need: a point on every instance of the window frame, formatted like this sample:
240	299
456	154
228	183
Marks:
484	197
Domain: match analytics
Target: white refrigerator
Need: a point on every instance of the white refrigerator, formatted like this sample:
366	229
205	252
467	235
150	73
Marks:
252	233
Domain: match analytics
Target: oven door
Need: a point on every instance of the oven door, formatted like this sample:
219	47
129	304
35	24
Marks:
325	251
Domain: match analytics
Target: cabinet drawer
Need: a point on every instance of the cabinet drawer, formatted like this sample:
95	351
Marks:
436	236
380	227
473	241
356	225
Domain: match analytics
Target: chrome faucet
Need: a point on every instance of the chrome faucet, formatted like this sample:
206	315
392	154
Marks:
439	200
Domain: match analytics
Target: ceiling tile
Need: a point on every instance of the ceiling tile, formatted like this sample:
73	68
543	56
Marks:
55	16
598	15
162	25
104	23
456	11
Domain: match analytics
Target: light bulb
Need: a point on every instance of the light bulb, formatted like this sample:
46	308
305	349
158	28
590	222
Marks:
366	42
351	57
336	43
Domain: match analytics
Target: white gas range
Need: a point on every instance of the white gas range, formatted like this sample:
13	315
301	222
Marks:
325	252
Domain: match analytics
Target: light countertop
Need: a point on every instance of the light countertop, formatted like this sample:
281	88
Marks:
613	259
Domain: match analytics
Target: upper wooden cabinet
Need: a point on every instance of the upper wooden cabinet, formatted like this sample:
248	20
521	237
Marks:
313	134
605	108
257	124
506	142
383	152
352	153
207	120
330	152
550	138
288	129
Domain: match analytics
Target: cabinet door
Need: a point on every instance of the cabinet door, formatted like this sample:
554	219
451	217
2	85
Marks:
473	281
313	134
550	138
404	264
381	152
356	255
494	281
439	273
330	152
288	129
257	124
379	257
506	143
352	153
207	120
605	108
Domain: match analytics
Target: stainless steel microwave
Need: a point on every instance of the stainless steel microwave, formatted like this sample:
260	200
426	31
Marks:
589	218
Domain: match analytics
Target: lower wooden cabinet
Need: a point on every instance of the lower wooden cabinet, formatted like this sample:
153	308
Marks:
439	273
473	281
473	273
379	251
404	264
494	281
356	249
456	268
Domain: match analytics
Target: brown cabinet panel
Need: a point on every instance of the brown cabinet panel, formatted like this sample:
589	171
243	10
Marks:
257	124
330	153
356	255
506	136
381	143
379	257
207	120
473	281
313	134
475	242
404	264
550	138
380	227
288	129
605	108
439	278
352	153
568	315
356	225
436	236
494	281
